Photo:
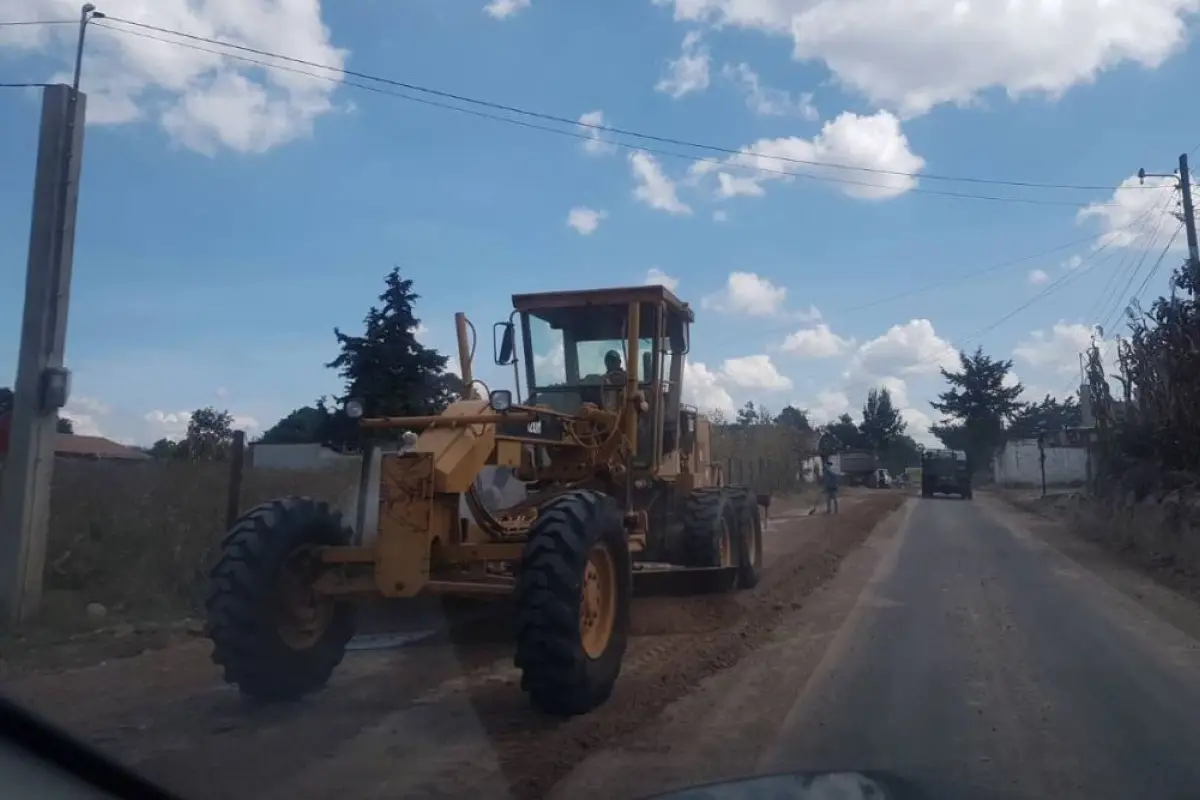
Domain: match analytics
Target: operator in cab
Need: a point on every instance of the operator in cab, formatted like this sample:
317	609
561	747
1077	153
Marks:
613	373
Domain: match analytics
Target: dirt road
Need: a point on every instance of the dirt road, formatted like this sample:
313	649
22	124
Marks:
968	647
444	715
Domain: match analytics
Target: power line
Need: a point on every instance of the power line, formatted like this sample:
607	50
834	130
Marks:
984	270
599	129
1114	314
24	22
588	138
1115	296
23	85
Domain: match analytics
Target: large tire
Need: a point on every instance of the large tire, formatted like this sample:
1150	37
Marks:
749	542
568	663
709	523
266	651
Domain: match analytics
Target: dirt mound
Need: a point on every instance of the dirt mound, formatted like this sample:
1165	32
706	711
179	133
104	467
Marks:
696	638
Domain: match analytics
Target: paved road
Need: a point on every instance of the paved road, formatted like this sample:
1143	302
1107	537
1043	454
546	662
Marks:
982	663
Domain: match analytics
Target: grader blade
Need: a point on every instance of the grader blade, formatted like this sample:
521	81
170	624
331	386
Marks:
656	581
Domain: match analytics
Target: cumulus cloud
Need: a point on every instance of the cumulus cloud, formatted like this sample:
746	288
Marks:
598	142
914	56
585	220
873	142
654	188
703	388
766	101
747	293
204	101
689	72
1038	277
503	9
755	373
818	341
1135	214
1056	351
656	277
913	348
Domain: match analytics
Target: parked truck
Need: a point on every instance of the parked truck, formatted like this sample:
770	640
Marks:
857	467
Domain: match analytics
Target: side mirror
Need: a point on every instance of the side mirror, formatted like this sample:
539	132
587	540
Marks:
503	345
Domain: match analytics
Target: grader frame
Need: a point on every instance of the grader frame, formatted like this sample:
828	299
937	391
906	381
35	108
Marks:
622	490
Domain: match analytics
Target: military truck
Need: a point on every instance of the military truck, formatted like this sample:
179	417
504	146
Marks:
945	472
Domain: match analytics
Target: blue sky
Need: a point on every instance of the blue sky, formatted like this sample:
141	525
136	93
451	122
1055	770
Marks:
231	216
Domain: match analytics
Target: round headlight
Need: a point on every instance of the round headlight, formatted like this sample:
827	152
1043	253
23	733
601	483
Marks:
354	409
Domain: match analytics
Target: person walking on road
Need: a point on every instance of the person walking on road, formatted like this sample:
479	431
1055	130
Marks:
830	477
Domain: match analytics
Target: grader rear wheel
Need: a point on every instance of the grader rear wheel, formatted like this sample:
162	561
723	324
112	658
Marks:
274	636
749	541
573	597
709	525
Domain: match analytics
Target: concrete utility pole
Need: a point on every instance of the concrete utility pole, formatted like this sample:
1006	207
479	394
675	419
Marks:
42	384
1189	215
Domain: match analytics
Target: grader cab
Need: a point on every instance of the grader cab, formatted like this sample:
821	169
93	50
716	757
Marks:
620	493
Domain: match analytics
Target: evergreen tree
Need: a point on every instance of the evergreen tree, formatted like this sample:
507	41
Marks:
386	368
977	404
881	423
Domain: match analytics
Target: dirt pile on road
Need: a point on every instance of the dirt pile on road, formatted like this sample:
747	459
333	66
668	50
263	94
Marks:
695	638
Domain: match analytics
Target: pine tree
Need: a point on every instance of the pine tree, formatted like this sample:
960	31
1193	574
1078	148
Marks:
386	367
881	423
978	404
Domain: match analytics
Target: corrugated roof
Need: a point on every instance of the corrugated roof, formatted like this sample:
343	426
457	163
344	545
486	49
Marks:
73	445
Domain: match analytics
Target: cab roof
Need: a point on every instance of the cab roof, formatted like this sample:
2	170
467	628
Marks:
603	297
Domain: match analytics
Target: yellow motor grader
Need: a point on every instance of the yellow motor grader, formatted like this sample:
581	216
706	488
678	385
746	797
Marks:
621	493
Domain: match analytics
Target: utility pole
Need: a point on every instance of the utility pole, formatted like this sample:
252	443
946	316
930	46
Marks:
1189	218
42	384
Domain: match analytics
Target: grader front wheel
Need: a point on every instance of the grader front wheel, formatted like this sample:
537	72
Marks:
274	636
573	599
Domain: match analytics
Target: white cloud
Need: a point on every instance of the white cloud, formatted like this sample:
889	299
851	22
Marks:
1073	263
598	142
720	215
919	424
205	102
1057	351
86	415
913	56
702	388
654	188
747	293
754	372
828	406
689	72
1038	276
1134	213
766	101
913	348
174	424
221	392
873	142
503	9
656	276
816	342
585	220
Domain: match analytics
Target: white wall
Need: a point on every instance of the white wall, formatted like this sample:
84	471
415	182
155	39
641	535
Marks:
1018	463
306	457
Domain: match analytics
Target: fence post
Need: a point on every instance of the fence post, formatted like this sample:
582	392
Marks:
237	462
